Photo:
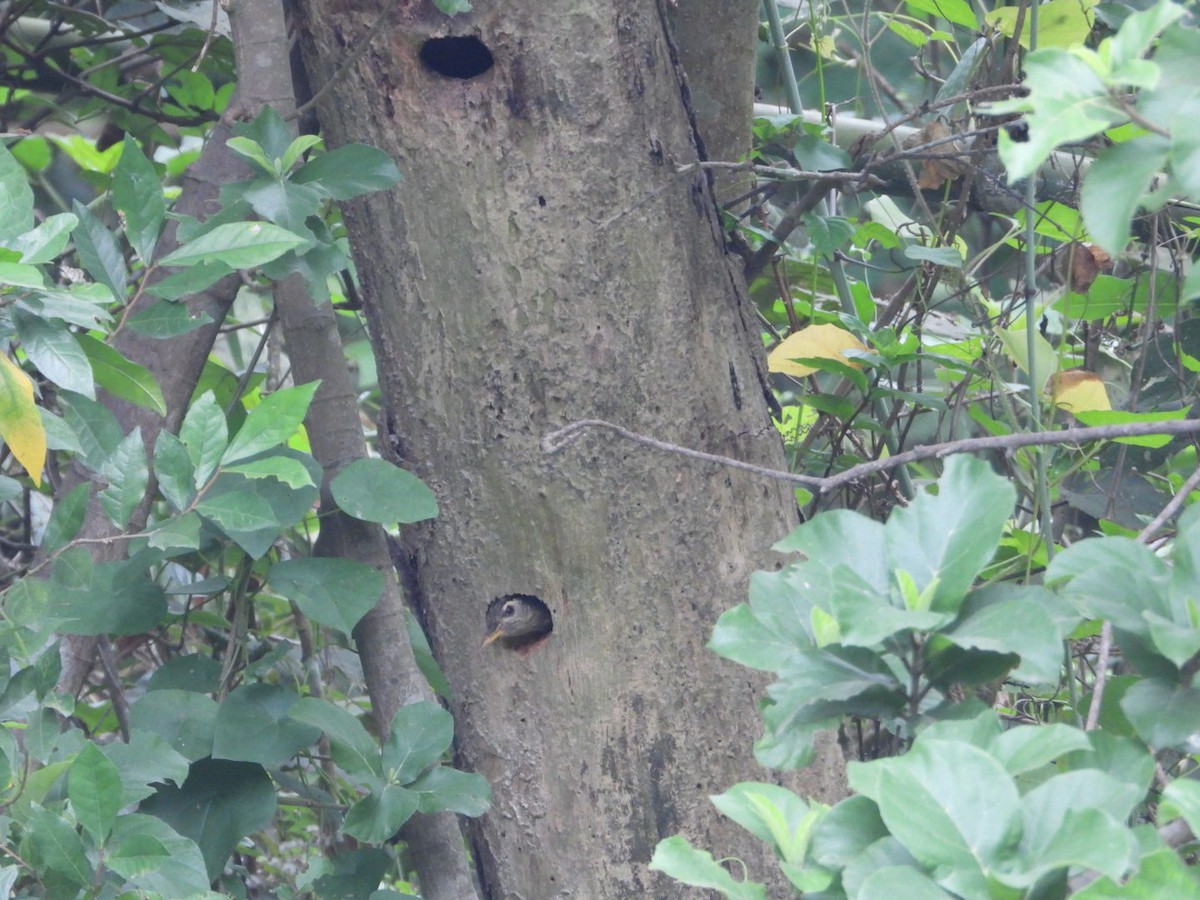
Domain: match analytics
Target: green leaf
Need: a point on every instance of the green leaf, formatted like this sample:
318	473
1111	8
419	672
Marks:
94	789
900	881
287	505
220	803
354	750
1124	417
1022	750
741	637
250	150
296	149
269	132
379	815
957	12
782	603
1115	185
1069	103
271	422
443	788
121	377
174	470
59	436
205	435
843	537
16	197
115	598
185	720
253	725
349	171
945	540
238	512
357	873
56	846
1017	625
66	519
128	476
191	672
167	320
1077	819
284	469
677	858
420	734
930	799
772	814
239	245
866	618
424	656
1161	874
53	349
1163	715
377	491
951	257
1182	798
80	305
287	205
1139	30
1114	578
139	854
846	831
142	762
814	690
334	592
138	194
188	281
44	243
99	253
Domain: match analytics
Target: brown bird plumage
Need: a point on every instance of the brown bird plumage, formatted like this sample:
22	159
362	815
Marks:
518	622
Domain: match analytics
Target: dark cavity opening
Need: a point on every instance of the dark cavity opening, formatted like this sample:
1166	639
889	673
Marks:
456	57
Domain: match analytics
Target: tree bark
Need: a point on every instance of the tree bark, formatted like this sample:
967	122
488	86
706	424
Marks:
716	40
543	261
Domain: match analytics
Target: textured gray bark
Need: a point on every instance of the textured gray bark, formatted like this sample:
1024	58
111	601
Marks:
716	40
541	262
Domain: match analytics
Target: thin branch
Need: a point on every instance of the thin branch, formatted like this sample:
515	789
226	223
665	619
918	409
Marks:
557	440
786	173
1102	652
1171	508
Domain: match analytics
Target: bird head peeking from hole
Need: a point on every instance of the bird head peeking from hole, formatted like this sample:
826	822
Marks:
519	622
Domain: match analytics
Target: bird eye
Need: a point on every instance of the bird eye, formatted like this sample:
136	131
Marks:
510	609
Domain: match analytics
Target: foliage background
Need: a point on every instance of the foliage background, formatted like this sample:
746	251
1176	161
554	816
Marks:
935	255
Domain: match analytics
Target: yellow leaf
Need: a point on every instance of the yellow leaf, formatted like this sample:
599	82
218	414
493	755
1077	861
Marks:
1078	391
1061	23
813	342
20	424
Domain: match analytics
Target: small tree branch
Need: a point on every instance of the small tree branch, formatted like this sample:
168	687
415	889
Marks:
556	440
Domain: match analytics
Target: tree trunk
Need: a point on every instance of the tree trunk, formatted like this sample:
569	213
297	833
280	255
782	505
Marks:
716	40
542	262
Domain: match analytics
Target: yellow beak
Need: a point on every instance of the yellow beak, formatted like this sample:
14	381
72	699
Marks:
492	637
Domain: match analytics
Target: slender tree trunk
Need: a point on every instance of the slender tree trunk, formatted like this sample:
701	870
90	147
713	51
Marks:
543	261
176	363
